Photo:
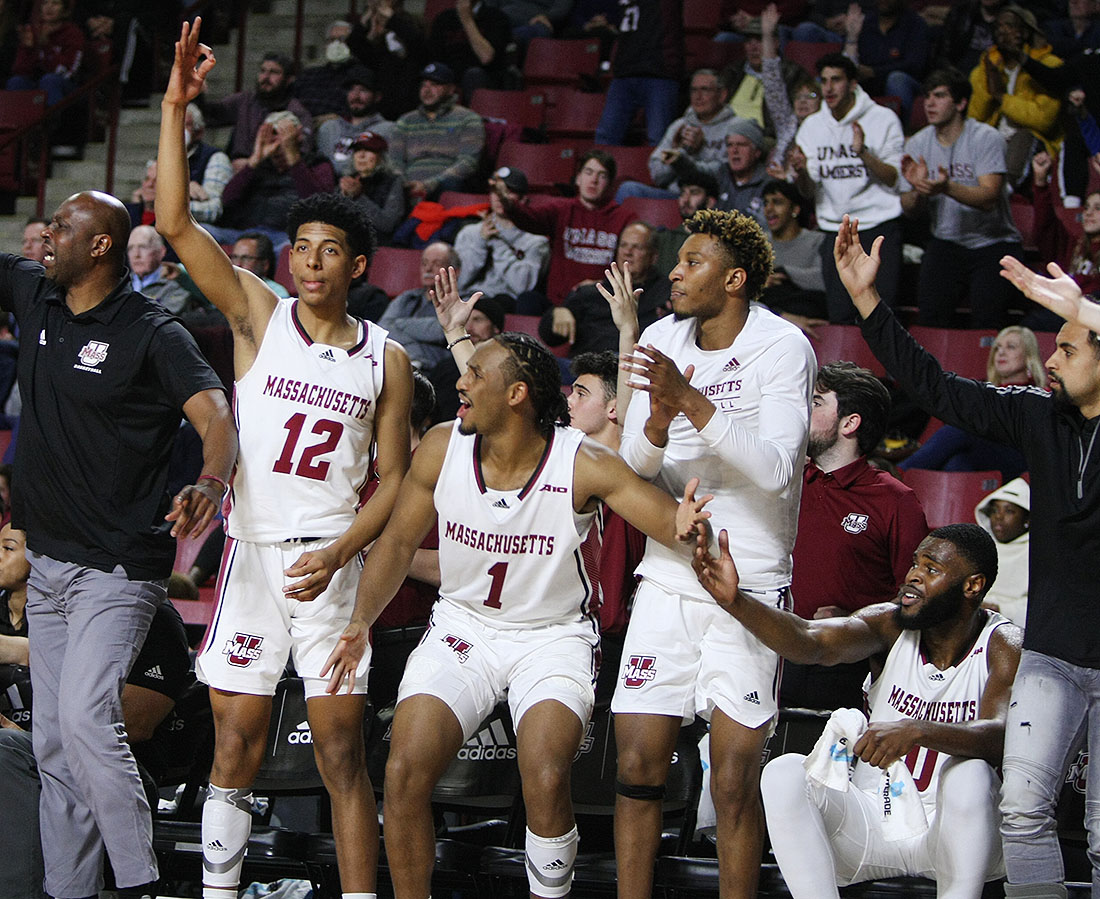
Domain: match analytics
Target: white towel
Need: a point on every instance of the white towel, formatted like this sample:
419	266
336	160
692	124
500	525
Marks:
830	764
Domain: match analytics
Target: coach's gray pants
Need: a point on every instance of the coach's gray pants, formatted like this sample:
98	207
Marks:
86	627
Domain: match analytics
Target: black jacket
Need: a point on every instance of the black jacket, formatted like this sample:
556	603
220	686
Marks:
1063	607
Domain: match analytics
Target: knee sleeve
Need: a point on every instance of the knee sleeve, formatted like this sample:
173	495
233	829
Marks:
640	791
226	825
550	863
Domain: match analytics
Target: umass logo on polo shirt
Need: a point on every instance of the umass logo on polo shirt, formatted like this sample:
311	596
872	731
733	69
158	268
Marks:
92	355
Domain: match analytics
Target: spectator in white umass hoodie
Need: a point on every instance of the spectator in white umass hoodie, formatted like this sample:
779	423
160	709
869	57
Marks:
847	157
1006	514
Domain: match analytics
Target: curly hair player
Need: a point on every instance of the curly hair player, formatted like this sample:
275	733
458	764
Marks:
729	386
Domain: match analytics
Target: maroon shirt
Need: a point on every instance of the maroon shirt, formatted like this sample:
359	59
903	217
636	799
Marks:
582	240
857	530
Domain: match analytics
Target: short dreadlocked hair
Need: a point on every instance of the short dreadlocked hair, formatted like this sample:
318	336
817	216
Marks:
742	240
533	364
340	212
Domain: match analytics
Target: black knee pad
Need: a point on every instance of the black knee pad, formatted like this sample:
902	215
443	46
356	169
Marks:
640	791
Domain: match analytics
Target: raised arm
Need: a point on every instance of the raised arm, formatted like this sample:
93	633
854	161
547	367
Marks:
826	641
623	300
391	437
244	299
453	312
600	472
1059	293
390	557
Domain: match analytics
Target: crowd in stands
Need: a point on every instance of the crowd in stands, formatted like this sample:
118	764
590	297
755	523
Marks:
958	133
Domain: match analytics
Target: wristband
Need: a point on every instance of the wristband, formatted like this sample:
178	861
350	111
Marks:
458	340
214	477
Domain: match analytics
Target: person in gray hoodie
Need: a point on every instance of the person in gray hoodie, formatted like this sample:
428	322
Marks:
699	134
1006	514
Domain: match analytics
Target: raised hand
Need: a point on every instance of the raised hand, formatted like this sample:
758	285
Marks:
623	296
192	64
856	268
1058	293
452	311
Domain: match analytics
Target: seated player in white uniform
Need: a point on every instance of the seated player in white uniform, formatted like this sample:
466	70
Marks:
319	395
515	493
941	673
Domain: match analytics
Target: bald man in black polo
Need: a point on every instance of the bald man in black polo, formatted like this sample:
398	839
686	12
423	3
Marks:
104	374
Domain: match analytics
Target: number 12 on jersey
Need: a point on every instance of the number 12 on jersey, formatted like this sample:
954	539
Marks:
310	464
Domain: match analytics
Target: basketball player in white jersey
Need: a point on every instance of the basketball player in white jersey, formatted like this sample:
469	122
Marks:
727	390
317	395
515	494
941	673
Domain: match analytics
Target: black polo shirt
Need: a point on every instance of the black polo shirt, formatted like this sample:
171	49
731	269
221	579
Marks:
102	396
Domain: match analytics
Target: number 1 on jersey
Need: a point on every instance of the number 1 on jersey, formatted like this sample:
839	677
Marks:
497	573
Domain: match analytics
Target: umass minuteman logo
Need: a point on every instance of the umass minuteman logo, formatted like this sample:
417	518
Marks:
94	352
638	671
243	649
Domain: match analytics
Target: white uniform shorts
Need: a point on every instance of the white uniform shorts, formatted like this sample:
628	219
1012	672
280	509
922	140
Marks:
256	627
470	664
686	656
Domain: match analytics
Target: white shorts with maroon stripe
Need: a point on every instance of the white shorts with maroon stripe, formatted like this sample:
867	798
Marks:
256	627
685	656
470	663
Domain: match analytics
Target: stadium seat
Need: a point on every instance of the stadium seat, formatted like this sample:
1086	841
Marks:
451	198
545	165
807	53
395	269
1023	215
524	108
632	162
890	102
949	497
701	52
655	212
835	343
553	61
574	114
702	17
1071	221
963	352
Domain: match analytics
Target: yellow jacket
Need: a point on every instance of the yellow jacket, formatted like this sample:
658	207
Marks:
1028	106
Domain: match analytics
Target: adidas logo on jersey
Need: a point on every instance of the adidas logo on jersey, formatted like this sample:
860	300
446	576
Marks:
155	672
328	356
732	365
300	734
936	676
752	697
491	743
501	504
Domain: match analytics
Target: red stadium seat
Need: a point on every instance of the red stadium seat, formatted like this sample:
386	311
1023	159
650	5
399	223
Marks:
574	114
545	165
836	343
524	108
949	497
963	352
701	52
702	17
451	198
395	269
18	108
553	61
655	212
1023	215
807	53
632	162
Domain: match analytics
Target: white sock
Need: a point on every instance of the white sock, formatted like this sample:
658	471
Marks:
226	825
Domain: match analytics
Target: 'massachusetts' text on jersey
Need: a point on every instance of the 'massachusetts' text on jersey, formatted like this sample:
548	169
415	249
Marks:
305	413
911	687
514	556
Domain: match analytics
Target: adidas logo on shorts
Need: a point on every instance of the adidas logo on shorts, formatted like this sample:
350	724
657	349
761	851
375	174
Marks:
752	697
491	743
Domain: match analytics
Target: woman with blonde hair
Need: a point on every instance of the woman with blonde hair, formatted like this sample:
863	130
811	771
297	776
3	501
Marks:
1014	360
